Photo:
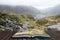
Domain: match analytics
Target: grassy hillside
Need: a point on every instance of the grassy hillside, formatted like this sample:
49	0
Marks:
39	26
34	26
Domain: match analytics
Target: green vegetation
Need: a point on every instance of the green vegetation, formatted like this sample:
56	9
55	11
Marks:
35	26
22	18
42	21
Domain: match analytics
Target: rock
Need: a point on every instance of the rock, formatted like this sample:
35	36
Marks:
25	25
57	26
14	25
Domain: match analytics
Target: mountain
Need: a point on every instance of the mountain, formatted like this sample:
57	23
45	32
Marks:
26	10
53	10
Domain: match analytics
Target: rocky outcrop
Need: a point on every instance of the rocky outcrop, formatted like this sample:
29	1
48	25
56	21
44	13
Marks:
13	25
56	27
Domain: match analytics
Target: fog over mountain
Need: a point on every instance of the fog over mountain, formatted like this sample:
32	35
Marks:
31	11
53	10
26	10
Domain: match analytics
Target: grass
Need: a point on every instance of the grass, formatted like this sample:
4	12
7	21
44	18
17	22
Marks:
35	26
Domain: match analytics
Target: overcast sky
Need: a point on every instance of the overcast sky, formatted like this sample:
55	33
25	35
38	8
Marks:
39	4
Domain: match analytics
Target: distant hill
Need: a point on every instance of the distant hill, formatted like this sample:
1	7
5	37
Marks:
26	10
53	10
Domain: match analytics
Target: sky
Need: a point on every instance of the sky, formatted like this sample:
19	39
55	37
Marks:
39	4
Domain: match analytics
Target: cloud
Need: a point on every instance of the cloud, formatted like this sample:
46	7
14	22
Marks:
39	4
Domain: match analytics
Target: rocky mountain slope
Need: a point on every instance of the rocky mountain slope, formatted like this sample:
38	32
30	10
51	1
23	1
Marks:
26	10
52	10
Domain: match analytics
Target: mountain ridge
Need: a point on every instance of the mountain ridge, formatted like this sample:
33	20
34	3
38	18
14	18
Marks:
53	10
26	10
